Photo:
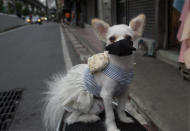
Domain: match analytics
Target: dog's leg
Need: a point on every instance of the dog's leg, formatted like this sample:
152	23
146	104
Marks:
106	94
121	107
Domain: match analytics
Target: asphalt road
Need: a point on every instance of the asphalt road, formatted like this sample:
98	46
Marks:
29	56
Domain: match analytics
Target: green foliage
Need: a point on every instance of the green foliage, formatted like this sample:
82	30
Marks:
26	11
10	8
18	6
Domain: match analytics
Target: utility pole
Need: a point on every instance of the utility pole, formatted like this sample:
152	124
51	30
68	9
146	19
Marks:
47	7
56	3
57	10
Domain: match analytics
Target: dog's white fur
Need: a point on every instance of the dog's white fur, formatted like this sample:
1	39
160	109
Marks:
63	87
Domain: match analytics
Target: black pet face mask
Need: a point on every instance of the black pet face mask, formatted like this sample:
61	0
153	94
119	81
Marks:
121	48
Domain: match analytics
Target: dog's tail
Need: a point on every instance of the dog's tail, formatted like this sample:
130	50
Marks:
53	109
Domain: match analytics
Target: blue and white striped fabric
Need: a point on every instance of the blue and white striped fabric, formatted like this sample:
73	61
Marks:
116	73
113	72
90	83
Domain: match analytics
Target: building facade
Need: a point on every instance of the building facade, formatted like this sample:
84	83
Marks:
162	21
23	7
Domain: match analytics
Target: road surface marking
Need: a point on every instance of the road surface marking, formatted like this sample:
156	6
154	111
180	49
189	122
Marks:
68	62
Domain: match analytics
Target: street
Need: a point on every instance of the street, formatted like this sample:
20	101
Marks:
29	56
41	40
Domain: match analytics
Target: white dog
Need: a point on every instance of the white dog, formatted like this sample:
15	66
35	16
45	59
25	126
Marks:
72	93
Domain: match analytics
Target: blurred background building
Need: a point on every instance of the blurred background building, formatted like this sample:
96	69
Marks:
161	25
22	7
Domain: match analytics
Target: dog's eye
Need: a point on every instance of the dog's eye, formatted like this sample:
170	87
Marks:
112	38
128	37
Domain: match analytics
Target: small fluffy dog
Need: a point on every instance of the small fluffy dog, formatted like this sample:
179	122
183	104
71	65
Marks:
84	95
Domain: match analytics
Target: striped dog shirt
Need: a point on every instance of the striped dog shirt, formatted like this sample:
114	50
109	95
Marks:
115	73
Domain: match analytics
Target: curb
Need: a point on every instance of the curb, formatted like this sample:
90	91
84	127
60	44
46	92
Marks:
82	41
12	28
148	123
80	49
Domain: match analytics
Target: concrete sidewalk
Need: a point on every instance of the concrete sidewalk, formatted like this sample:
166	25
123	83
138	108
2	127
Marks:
88	37
158	89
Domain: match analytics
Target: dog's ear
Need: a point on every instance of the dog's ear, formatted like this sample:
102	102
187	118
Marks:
100	28
137	24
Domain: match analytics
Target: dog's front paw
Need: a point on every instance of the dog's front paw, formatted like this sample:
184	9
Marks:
113	129
126	119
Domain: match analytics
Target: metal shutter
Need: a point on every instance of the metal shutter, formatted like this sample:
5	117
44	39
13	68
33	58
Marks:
148	7
121	12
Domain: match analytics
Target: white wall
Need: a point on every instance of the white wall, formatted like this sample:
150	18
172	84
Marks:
10	21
